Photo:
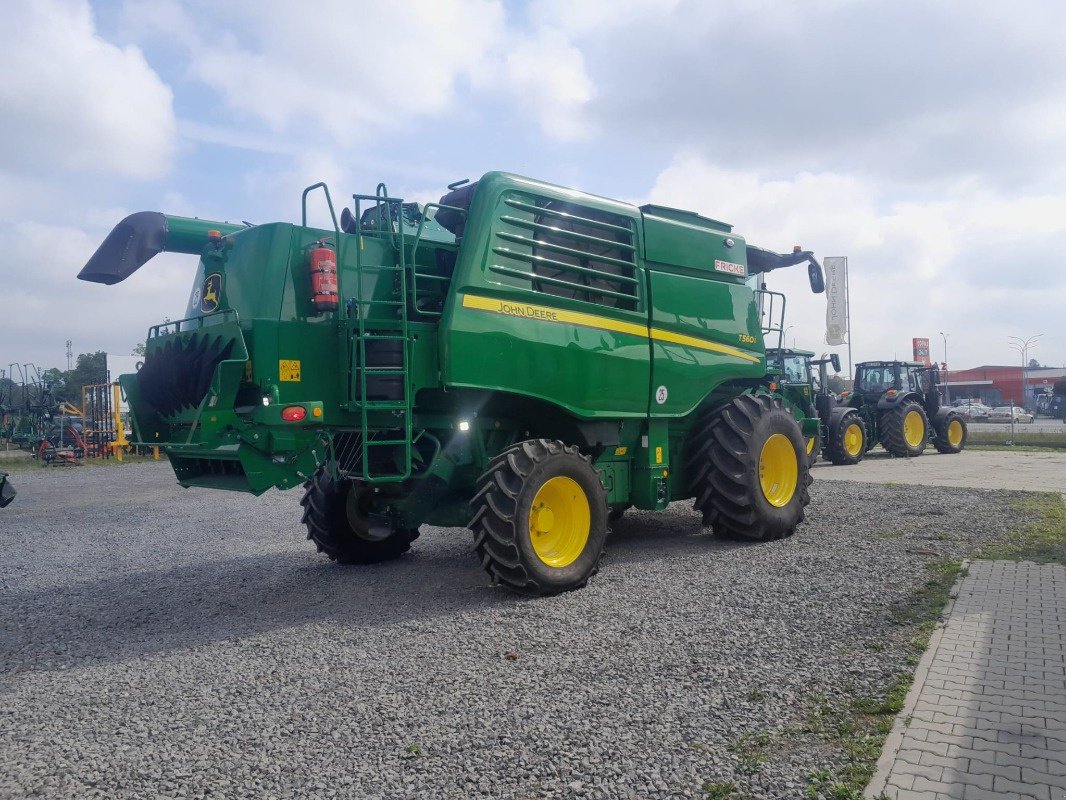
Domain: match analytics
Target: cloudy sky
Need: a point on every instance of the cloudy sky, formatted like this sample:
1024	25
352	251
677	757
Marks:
925	141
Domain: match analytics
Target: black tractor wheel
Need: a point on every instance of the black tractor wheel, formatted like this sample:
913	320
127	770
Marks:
342	522
750	470
905	430
814	448
540	518
951	434
847	440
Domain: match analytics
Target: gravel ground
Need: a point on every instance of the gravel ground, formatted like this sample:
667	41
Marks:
166	642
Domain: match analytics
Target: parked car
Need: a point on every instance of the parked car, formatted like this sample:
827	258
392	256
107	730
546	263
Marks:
1004	414
975	411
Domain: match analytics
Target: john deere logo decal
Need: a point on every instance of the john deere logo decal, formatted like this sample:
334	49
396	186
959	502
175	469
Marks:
210	297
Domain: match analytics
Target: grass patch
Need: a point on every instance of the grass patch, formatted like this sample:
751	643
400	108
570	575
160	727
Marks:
1043	540
751	751
722	791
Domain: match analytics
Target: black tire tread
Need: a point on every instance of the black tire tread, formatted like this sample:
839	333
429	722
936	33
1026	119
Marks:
719	464
495	506
835	449
892	430
326	518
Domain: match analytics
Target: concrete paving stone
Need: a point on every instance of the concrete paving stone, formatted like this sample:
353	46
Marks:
923	784
960	778
929	772
935	748
901	781
1008	771
1011	760
972	792
1003	785
1039	777
947	763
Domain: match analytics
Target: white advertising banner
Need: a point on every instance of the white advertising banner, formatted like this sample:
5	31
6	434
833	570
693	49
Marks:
836	298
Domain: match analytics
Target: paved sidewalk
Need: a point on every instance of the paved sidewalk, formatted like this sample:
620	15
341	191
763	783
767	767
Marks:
986	717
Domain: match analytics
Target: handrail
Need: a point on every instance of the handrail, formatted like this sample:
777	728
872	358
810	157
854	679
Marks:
329	202
201	321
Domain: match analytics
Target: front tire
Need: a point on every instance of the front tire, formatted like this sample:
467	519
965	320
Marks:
847	441
905	430
750	470
951	434
540	518
342	522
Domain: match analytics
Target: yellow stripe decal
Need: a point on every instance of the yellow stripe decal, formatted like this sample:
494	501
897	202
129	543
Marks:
550	314
679	338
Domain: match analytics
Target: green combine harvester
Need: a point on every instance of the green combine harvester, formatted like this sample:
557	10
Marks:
521	358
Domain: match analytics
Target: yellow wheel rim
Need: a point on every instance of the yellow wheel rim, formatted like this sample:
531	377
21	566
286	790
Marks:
954	433
913	429
853	439
810	445
778	470
559	521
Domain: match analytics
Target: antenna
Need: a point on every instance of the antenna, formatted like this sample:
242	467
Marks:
70	355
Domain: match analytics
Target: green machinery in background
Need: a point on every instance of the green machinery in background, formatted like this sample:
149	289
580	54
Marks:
900	407
836	432
895	403
521	358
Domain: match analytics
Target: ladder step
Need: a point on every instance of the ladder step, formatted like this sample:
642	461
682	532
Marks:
384	371
386	442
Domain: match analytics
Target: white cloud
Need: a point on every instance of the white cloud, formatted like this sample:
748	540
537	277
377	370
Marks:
330	69
545	73
70	99
45	305
967	262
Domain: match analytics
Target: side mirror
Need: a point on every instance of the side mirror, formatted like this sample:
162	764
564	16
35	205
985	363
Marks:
834	359
814	273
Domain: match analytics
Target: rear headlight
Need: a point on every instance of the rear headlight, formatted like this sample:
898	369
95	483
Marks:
293	413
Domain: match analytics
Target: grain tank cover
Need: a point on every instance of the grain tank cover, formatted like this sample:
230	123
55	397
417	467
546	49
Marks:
687	239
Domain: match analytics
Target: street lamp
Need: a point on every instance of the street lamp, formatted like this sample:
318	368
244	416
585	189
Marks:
947	389
784	336
1022	346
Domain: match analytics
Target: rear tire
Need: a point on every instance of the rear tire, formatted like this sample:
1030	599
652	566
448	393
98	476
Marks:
540	518
339	522
750	470
905	430
847	441
951	434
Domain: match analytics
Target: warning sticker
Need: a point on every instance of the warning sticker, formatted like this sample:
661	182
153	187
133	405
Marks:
730	267
289	370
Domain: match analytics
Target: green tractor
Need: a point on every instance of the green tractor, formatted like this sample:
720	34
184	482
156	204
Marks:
836	432
900	405
521	358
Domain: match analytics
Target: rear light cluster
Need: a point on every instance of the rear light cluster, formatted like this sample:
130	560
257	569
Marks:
293	413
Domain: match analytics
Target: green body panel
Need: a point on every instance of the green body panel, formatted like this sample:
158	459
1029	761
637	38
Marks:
557	314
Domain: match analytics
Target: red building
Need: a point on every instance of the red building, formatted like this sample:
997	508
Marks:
1000	386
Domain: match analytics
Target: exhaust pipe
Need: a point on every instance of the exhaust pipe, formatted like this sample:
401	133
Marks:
141	236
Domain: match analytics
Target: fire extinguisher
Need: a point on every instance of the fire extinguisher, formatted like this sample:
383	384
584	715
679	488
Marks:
323	276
